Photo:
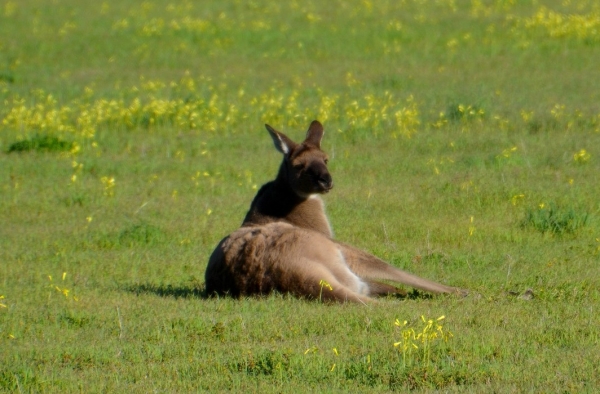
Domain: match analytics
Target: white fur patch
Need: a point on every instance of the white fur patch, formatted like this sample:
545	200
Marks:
357	283
284	148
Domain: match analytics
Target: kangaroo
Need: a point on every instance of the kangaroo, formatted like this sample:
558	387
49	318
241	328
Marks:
286	243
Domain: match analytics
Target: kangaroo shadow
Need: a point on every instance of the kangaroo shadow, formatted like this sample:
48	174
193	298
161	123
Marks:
415	294
177	291
400	294
199	291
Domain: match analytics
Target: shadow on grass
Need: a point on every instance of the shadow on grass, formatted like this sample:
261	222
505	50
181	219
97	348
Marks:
415	294
190	291
195	291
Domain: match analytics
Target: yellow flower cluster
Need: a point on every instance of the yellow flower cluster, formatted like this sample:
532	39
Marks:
581	157
109	185
326	285
507	153
43	116
377	112
559	25
186	25
61	289
205	107
200	104
412	340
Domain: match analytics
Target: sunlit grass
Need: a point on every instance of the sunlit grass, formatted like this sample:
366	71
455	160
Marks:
463	138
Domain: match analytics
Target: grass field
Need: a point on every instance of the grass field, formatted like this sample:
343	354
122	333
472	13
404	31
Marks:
464	139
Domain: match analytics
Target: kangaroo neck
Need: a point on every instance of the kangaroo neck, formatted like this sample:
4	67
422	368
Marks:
277	201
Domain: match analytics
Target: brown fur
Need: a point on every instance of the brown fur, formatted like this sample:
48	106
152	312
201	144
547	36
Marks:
292	196
285	243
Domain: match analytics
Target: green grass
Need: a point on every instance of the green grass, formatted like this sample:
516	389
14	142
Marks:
464	142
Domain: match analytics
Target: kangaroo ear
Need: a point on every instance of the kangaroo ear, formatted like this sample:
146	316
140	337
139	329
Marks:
282	143
315	132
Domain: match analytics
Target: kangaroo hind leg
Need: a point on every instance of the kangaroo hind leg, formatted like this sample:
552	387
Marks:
370	267
321	283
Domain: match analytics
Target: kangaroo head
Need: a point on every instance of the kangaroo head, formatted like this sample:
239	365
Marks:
304	165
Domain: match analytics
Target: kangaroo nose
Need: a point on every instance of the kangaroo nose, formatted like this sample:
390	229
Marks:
325	181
